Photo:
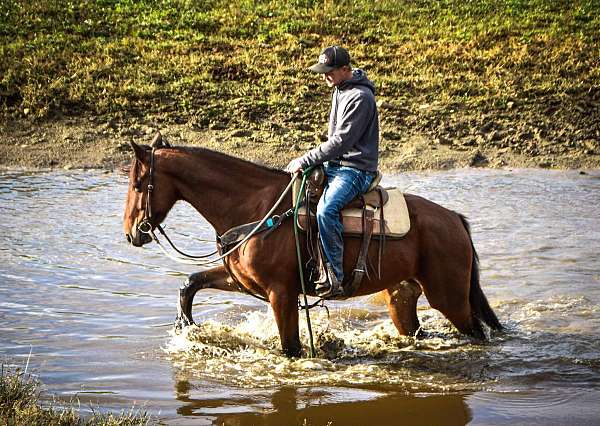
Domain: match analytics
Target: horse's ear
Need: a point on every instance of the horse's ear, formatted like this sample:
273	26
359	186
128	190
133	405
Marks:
140	153
157	141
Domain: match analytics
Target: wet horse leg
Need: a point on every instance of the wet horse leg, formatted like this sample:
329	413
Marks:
215	278
447	290
285	308
401	301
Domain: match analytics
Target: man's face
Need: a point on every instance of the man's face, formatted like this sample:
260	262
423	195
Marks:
335	76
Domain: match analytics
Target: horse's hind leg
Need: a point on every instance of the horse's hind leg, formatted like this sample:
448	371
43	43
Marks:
448	292
215	278
401	301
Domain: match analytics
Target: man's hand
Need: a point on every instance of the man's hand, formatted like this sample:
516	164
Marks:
294	166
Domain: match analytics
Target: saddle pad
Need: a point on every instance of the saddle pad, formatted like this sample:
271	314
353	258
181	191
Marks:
395	215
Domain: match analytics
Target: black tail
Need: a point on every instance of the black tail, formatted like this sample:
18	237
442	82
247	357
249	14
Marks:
479	304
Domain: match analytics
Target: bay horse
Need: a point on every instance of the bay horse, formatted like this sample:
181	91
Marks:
436	257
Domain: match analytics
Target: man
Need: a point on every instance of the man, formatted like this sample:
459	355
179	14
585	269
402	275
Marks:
349	155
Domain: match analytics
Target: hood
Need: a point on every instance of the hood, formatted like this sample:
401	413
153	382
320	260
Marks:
359	78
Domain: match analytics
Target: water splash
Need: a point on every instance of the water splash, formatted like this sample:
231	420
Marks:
558	313
247	355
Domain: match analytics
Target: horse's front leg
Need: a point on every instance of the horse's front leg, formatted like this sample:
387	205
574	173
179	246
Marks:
401	301
216	278
285	308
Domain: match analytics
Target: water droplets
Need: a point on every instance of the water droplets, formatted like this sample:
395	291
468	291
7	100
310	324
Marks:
247	355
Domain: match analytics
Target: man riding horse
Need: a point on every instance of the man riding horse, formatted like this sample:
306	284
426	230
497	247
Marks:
349	156
436	256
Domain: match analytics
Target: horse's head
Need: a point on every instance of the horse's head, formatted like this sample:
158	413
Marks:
150	193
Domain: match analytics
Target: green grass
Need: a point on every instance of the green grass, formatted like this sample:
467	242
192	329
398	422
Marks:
244	62
20	405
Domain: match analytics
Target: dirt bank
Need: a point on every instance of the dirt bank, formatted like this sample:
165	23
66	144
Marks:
491	83
92	142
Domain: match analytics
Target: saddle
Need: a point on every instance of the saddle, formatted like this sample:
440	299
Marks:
396	221
364	217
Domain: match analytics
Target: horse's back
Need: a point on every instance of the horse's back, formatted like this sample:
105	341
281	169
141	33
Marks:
437	227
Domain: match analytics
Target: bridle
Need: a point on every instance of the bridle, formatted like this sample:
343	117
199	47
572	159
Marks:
145	226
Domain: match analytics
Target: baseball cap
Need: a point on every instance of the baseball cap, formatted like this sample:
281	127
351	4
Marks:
331	58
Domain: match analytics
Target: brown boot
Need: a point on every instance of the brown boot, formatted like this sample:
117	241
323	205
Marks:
330	286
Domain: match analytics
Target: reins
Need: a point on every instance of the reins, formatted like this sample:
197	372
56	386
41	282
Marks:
201	256
145	227
306	306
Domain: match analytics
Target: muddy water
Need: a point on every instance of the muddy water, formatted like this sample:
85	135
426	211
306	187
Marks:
96	314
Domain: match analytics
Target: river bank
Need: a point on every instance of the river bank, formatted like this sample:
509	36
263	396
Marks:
494	83
104	143
22	403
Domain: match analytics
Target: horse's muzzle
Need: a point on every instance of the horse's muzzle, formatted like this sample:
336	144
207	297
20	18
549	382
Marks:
138	239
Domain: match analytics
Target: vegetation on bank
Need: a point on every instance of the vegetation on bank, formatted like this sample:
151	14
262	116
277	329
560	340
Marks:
459	72
19	405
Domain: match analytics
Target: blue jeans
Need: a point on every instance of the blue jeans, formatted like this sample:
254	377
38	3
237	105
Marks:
343	185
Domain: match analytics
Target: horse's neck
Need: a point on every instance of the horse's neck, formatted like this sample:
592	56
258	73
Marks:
226	191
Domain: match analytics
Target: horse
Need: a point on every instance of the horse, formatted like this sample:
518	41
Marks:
436	257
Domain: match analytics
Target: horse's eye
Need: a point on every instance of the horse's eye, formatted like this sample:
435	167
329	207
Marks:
137	187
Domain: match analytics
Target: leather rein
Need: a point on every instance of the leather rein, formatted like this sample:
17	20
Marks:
146	227
269	222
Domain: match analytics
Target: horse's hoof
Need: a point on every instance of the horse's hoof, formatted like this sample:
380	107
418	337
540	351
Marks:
420	334
180	324
292	352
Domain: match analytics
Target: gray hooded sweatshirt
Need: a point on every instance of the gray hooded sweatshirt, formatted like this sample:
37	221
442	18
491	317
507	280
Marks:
353	136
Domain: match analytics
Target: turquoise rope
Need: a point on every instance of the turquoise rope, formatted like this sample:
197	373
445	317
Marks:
305	175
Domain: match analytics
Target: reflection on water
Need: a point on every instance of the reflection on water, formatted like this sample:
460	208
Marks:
291	406
96	314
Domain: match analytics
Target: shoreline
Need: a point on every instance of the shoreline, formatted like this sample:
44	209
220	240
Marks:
96	143
483	84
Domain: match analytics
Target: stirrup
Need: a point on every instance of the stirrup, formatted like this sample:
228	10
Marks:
329	291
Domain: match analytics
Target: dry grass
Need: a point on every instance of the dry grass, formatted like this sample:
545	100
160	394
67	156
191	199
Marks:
20	405
530	69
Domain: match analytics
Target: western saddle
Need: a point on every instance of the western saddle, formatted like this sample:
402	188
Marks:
374	199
